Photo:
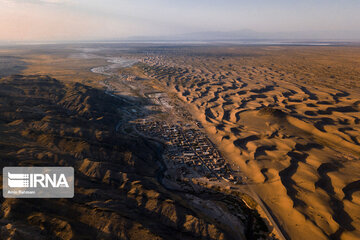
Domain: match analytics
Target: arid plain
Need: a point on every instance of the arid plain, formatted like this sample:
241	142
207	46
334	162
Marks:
77	106
286	118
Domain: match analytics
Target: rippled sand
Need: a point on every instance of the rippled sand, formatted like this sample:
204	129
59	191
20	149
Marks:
289	118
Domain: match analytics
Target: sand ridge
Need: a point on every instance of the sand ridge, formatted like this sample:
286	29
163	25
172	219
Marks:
298	143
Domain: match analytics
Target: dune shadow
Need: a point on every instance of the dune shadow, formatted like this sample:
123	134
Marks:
241	142
339	214
286	177
350	188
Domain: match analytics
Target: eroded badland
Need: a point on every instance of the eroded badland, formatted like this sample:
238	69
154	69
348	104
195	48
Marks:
186	142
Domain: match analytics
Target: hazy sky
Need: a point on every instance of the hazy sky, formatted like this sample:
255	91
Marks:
41	20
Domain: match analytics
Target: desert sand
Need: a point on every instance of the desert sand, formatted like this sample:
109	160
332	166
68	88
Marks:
85	120
288	118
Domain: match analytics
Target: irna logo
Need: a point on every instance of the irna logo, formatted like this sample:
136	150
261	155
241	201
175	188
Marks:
38	182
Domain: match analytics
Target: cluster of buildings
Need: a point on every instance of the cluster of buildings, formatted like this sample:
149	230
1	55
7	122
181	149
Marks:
189	152
153	60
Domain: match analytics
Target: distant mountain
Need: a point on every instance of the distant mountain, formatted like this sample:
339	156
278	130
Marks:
247	34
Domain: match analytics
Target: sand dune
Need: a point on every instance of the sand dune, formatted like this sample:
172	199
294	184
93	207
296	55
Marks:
294	134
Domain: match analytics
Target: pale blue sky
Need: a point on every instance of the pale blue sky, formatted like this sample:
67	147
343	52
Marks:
110	19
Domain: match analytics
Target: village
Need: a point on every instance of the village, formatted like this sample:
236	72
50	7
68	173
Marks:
188	151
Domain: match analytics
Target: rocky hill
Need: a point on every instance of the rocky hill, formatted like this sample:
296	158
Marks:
44	122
